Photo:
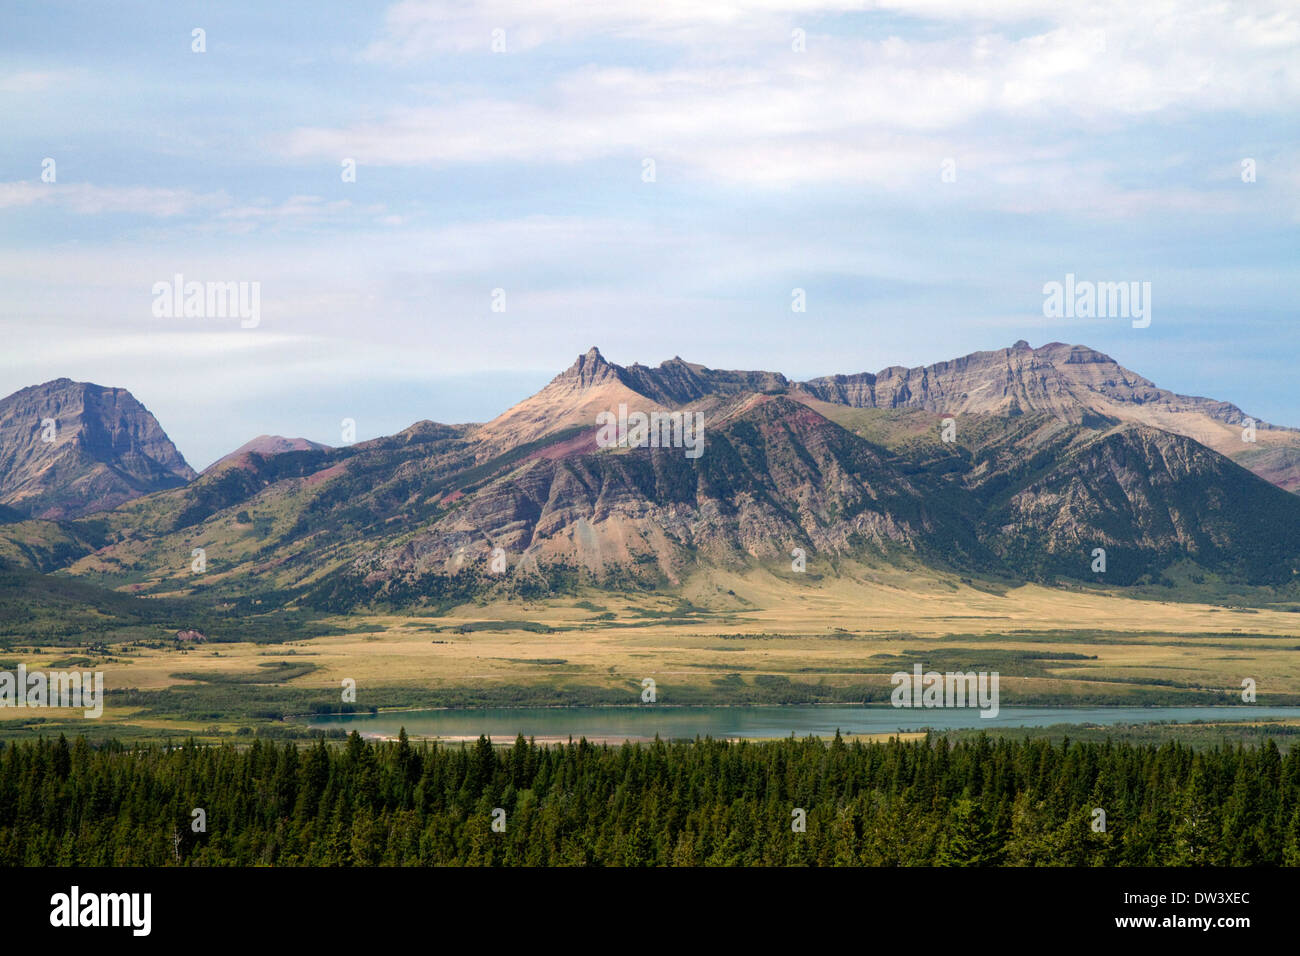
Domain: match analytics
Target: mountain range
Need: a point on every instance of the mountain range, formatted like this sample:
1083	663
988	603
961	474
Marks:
1015	463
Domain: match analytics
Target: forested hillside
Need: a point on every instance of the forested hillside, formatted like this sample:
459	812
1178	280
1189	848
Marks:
709	802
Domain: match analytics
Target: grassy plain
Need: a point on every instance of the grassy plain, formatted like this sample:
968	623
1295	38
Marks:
757	636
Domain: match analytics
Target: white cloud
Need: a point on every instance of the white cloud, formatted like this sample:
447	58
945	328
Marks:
294	208
880	110
89	199
32	81
217	209
415	29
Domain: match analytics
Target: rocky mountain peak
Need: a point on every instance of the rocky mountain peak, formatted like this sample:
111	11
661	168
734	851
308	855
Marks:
72	448
588	370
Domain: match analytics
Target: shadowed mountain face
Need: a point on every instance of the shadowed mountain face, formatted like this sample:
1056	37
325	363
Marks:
774	477
1053	454
1030	497
106	449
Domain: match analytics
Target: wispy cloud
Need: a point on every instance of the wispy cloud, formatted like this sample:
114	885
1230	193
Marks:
1001	85
89	199
796	143
210	209
33	81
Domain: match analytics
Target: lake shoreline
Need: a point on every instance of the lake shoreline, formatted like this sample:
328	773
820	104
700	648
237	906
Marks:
767	722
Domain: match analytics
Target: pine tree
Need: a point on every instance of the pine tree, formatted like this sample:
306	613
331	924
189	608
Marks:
969	839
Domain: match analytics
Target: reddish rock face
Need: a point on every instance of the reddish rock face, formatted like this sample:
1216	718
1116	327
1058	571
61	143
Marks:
1057	450
107	449
265	446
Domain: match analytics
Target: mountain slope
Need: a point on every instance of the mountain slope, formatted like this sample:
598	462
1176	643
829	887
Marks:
107	449
1074	383
1043	468
265	446
1026	498
573	398
1151	499
774	477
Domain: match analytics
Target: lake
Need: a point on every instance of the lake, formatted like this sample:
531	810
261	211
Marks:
644	722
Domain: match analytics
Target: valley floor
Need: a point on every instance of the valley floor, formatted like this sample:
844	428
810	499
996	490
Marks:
721	639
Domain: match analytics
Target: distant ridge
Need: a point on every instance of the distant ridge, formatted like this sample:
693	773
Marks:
1074	383
1057	451
266	446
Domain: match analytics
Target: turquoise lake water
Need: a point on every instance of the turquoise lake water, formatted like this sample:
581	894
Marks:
687	722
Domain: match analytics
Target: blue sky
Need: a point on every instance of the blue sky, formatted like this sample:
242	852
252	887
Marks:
1103	139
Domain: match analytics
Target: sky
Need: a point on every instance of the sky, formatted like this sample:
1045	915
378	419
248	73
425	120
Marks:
534	177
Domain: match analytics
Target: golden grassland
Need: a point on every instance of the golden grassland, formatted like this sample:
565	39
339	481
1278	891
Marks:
828	629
